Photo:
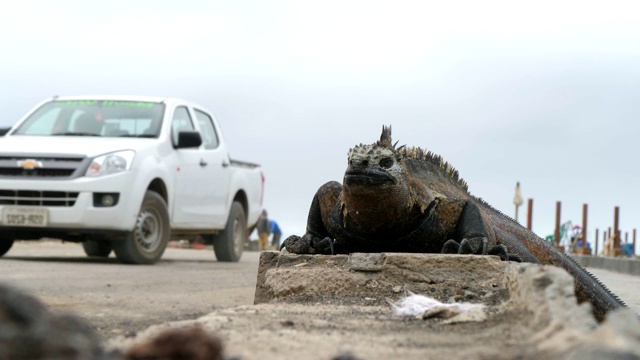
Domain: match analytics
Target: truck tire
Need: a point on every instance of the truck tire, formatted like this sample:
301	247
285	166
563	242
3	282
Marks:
229	243
146	243
97	248
5	245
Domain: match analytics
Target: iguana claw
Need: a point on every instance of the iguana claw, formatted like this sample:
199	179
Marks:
477	245
324	246
296	245
472	246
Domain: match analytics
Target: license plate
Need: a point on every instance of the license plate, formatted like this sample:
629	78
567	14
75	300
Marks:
21	216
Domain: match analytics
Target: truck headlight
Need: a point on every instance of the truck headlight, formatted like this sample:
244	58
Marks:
110	163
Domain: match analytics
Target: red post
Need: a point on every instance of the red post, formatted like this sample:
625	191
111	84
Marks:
530	214
616	230
584	226
556	234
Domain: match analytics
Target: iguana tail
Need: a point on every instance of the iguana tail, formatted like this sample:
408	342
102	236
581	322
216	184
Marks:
532	248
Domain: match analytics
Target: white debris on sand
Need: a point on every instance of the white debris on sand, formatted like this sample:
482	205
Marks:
420	306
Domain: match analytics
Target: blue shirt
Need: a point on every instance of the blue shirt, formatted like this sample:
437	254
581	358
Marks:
275	229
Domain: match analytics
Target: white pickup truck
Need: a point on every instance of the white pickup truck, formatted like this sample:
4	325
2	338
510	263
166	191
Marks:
125	174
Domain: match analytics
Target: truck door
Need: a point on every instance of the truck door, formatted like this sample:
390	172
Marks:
192	193
217	168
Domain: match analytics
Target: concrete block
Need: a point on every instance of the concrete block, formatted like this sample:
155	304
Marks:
369	278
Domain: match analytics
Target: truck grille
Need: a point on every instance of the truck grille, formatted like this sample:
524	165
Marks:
31	167
38	198
36	172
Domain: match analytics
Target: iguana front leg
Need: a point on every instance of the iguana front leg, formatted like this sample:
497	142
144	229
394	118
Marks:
317	239
474	235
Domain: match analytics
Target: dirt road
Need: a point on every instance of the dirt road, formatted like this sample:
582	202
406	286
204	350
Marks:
123	299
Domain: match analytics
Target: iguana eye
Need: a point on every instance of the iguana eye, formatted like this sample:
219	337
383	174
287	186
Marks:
386	163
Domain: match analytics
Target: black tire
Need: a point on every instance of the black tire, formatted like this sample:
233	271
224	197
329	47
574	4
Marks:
229	243
97	248
5	245
146	243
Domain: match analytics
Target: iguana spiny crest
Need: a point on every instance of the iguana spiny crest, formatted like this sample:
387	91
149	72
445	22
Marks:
384	151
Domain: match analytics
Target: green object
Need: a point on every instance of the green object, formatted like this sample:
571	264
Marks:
76	103
127	103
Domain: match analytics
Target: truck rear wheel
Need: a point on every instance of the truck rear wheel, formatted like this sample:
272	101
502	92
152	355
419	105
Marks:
229	244
146	243
97	248
5	245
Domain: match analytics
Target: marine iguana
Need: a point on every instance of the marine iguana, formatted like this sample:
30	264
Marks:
400	199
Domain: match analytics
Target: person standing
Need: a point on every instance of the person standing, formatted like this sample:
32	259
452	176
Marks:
263	231
276	234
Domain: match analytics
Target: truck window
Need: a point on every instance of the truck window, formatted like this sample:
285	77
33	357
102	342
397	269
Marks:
180	121
45	126
209	135
94	118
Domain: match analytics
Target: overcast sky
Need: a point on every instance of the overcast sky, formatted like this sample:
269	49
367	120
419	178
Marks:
547	93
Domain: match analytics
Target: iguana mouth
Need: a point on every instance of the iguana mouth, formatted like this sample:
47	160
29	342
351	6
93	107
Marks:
367	177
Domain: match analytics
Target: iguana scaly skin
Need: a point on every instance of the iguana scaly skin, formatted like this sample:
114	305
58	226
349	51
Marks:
408	200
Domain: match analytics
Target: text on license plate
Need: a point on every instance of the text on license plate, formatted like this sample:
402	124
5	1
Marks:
19	216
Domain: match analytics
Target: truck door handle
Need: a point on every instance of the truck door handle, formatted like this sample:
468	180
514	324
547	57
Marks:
203	163
225	164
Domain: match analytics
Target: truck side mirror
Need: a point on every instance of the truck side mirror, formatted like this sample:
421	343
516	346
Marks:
188	139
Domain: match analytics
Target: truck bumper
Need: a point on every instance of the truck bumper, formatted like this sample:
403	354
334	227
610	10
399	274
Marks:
83	214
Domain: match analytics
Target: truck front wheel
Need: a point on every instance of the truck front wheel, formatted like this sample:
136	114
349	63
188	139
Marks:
5	245
229	243
149	238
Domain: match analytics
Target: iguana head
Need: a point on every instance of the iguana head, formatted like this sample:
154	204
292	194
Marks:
377	187
374	165
388	188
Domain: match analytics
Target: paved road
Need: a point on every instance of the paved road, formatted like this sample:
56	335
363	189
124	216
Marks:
627	287
185	284
120	299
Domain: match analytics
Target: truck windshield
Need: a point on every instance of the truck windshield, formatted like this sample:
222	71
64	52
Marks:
105	118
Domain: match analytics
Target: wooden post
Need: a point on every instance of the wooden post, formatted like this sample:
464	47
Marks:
530	214
584	226
616	230
556	234
595	252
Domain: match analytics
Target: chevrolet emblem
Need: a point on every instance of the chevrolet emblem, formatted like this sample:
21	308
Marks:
29	164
